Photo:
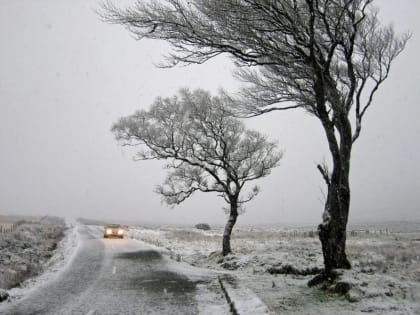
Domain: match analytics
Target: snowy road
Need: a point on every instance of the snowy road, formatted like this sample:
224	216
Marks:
112	276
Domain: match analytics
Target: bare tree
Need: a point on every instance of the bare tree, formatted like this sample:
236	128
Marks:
328	57
209	151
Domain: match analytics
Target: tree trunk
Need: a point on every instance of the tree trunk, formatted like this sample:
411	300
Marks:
333	229
332	232
226	248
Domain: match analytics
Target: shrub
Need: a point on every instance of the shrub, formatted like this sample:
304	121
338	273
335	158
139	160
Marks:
203	226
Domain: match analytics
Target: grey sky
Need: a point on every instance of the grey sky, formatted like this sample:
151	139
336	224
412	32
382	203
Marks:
65	77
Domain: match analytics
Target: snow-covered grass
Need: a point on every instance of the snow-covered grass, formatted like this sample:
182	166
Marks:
276	263
24	251
34	252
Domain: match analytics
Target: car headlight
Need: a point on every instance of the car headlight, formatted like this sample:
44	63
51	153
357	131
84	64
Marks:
108	231
120	232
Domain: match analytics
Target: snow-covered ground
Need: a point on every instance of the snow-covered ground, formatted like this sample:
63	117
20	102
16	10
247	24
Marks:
34	253
271	264
276	264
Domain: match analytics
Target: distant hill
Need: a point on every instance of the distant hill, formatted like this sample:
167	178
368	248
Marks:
52	220
88	221
16	218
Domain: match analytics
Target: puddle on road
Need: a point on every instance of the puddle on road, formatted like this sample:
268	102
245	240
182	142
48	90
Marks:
151	275
160	280
145	255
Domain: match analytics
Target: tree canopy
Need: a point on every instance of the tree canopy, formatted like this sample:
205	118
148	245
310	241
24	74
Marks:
300	46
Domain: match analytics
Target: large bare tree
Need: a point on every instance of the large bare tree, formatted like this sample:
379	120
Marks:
208	150
328	57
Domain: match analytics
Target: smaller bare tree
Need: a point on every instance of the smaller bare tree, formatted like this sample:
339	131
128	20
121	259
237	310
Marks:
208	150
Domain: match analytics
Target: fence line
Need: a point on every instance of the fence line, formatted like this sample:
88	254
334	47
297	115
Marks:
7	227
350	233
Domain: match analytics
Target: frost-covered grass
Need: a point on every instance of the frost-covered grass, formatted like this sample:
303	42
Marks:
52	242
25	251
276	263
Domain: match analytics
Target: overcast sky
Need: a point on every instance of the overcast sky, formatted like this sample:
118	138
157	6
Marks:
65	77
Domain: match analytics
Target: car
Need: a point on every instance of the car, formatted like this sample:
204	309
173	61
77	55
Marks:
114	230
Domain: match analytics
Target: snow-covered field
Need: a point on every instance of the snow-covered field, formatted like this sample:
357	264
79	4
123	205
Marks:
273	262
33	253
276	264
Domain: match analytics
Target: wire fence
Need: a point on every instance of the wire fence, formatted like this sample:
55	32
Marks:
7	227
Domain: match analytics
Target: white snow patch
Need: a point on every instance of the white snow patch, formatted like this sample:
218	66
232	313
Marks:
208	303
245	301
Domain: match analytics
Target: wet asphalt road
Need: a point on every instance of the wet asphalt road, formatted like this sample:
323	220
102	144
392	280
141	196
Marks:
112	276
